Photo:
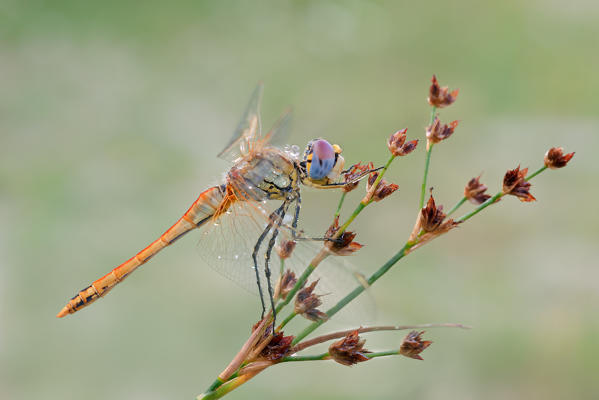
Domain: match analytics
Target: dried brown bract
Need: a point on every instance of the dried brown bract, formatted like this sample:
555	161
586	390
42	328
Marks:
306	303
382	190
440	96
277	348
555	158
437	132
413	345
431	220
475	191
349	350
397	144
285	249
514	183
354	174
342	245
431	216
285	284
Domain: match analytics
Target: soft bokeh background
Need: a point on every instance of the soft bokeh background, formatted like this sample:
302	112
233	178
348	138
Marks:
111	114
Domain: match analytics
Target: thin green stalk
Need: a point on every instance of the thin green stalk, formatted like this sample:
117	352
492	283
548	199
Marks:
218	382
316	357
224	389
458	205
426	165
537	172
341	200
286	321
354	293
427	161
481	207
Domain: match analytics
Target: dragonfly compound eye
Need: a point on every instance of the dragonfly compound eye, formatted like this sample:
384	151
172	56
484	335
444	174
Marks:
321	160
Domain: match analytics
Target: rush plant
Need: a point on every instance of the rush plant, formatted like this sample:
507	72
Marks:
268	345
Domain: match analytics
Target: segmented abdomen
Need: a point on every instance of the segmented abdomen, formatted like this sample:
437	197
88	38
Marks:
200	211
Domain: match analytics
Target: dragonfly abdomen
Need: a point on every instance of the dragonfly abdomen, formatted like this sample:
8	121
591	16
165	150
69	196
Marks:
201	211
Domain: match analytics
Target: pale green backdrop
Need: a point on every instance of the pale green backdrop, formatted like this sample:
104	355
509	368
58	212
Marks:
111	114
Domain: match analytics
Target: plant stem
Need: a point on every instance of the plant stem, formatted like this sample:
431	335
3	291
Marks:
354	293
286	321
427	161
326	356
426	165
458	205
537	172
481	207
225	388
336	335
340	204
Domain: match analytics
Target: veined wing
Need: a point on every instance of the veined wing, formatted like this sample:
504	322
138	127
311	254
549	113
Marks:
227	246
248	129
248	133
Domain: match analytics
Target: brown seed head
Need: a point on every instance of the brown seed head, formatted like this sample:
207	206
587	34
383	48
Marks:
349	350
285	249
306	304
353	174
440	96
342	245
382	190
437	132
475	191
413	345
285	284
514	183
431	216
277	348
397	144
555	158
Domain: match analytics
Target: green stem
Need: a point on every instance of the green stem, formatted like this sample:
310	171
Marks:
354	293
223	389
340	204
286	321
315	357
458	205
481	207
218	382
537	172
427	161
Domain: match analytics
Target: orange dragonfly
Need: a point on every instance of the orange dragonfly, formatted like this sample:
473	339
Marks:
236	217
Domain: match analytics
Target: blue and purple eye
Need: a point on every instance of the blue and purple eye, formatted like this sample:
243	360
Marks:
320	157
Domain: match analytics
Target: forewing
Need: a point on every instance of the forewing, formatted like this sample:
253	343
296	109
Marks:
248	129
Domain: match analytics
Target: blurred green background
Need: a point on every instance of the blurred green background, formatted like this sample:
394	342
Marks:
111	114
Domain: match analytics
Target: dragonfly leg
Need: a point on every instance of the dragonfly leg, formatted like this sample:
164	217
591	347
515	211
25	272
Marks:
294	231
271	244
272	219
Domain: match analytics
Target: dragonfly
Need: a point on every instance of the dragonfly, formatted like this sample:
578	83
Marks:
240	225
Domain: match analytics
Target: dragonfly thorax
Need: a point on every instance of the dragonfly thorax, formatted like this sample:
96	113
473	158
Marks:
264	175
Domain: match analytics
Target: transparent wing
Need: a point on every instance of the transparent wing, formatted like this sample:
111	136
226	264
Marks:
279	133
248	129
228	244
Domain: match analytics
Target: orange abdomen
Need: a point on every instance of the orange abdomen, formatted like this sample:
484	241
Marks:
202	210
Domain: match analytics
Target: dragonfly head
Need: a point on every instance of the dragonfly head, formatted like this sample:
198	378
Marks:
322	159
